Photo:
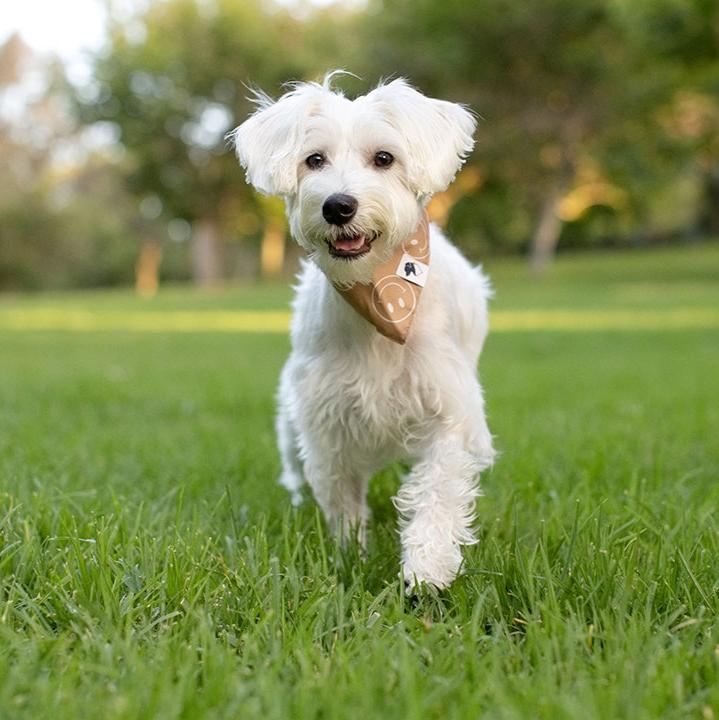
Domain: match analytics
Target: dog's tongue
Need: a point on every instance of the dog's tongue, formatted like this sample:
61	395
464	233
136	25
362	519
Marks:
348	244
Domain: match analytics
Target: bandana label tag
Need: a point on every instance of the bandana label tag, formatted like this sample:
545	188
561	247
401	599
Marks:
412	270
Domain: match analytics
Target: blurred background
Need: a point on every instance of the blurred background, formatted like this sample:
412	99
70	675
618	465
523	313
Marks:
599	127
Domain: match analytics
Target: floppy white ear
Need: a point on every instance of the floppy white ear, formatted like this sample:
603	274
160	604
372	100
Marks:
268	141
438	133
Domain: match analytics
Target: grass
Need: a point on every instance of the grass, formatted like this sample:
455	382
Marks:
151	568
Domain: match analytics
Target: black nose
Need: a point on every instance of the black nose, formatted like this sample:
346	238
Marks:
339	209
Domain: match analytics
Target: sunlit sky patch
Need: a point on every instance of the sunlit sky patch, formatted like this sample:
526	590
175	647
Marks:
71	28
64	28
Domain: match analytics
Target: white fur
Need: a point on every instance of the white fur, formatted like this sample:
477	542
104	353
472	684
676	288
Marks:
350	400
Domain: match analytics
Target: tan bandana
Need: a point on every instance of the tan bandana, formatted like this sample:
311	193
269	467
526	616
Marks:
389	301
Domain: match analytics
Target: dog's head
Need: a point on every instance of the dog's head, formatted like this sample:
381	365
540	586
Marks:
355	174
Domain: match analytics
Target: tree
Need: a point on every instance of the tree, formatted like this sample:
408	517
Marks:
173	80
679	41
557	83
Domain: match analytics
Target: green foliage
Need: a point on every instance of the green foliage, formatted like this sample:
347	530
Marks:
176	79
567	92
150	566
46	248
609	103
48	242
494	222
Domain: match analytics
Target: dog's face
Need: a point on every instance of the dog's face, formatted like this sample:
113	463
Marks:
355	175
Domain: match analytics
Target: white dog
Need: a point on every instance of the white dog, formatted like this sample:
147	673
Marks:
356	176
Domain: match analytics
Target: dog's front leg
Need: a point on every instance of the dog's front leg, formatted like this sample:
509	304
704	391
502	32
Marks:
437	507
340	488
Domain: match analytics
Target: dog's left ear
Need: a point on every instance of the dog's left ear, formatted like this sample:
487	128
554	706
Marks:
267	142
438	133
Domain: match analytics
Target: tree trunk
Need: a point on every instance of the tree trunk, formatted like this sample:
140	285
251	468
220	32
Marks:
205	252
709	210
272	252
546	235
147	269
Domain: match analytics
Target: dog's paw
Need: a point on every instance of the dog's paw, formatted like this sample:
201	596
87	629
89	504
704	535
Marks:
436	569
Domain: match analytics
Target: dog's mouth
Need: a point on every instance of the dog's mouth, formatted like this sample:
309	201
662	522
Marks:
350	247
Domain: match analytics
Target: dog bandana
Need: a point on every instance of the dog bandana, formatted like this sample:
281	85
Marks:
389	301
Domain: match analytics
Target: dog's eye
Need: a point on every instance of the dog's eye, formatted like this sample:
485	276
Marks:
383	159
315	161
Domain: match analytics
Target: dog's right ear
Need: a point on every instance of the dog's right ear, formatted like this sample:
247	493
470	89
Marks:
267	143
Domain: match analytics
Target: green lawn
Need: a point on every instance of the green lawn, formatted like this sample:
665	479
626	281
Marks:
150	567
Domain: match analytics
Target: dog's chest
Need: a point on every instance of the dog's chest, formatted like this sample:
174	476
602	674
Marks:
378	396
351	380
